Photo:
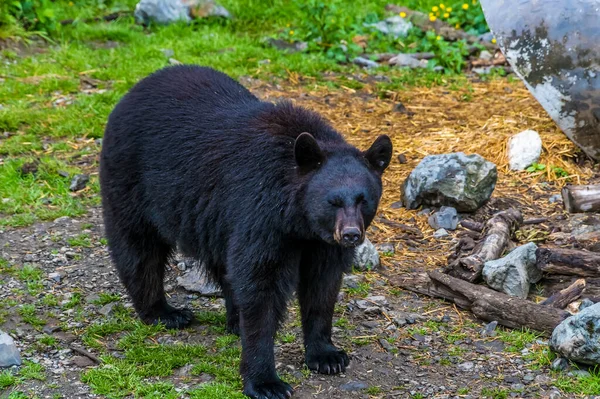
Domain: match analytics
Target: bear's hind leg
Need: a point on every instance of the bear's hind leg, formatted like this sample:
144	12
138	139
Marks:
140	259
233	312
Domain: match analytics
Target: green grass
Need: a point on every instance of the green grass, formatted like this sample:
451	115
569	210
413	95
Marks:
517	340
55	136
82	240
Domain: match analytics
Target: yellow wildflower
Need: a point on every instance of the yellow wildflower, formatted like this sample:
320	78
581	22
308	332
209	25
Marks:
449	9
70	4
457	26
403	14
439	37
494	40
432	17
446	15
442	6
291	32
434	8
465	6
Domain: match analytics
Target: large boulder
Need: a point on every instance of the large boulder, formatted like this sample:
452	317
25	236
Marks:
578	337
169	11
464	182
514	273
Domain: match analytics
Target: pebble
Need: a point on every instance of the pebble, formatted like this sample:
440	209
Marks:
542	379
441	233
377	299
352	386
365	62
466	366
55	276
524	149
79	182
445	218
386	345
490	329
83	361
108	309
353	280
555	198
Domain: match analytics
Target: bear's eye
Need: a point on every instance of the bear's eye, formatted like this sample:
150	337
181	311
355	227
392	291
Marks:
360	200
338	203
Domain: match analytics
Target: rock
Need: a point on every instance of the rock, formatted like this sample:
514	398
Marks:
366	256
524	149
554	394
395	26
514	273
401	157
555	198
445	218
485	55
386	345
464	182
55	276
169	11
294	47
466	366
195	280
490	329
168	53
83	361
181	266
578	337
353	280
580	373
542	379
51	329
406	60
585	303
91	298
79	182
378	300
396	205
486	37
9	353
353	386
173	61
387	248
365	62
108	309
440	233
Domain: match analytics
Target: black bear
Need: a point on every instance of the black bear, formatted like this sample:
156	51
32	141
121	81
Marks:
269	197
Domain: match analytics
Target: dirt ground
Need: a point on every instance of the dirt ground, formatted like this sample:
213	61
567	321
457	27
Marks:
403	346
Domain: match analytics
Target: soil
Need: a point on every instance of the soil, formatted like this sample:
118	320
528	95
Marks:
388	360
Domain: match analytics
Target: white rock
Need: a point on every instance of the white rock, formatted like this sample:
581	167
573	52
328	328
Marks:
524	149
366	256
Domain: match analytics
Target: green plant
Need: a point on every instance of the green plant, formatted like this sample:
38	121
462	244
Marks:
466	15
536	167
33	15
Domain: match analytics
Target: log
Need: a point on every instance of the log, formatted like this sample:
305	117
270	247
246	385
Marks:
421	21
581	198
472	225
497	233
553	283
562	298
570	262
485	303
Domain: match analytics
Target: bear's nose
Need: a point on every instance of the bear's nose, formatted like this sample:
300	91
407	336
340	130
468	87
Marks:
350	236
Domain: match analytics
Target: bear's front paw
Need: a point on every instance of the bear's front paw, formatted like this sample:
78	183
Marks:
169	316
275	389
330	360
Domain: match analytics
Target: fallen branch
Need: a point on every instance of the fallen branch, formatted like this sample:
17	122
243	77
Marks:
497	233
421	21
581	198
402	227
472	225
485	303
85	353
570	262
562	298
106	18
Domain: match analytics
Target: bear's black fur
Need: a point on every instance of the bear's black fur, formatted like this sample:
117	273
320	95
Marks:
269	197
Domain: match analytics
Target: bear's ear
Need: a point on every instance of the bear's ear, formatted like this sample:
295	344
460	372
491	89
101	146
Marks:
380	153
307	153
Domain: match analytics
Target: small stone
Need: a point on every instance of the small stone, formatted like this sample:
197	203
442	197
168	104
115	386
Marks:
440	233
580	373
542	379
91	298
386	248
528	378
396	205
55	276
555	198
395	26
464	182
9	353
181	266
524	149
466	366
490	329
183	371
51	329
378	300
108	309
366	256
402	157
370	324
554	394
353	386
485	55
386	345
445	218
365	62
353	281
446	319
173	61
514	273
407	60
83	361
195	280
373	310
168	53
79	182
169	11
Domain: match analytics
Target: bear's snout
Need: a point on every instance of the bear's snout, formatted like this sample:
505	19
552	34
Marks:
351	236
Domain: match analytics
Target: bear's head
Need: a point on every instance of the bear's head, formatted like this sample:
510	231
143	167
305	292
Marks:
343	187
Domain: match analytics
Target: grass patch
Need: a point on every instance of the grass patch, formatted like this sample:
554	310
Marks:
106	298
82	240
580	385
517	340
29	315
